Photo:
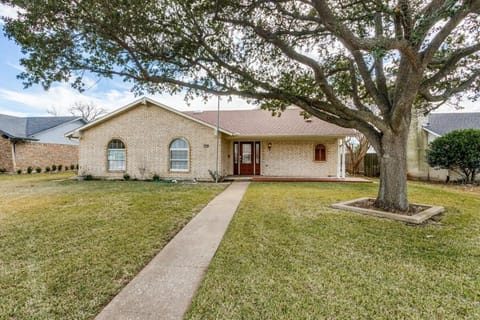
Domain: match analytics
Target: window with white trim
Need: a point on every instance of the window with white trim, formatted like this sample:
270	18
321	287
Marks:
179	155
116	155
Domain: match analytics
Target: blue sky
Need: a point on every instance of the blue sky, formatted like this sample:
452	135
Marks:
106	93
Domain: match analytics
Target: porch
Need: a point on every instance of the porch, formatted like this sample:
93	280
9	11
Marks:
296	179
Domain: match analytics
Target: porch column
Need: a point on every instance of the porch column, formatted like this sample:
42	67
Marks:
339	158
343	158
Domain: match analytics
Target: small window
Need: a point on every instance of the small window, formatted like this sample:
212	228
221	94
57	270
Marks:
320	153
179	155
116	155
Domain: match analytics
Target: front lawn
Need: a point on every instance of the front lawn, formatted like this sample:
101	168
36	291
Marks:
288	255
67	247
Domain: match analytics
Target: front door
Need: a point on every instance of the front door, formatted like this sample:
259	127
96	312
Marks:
246	158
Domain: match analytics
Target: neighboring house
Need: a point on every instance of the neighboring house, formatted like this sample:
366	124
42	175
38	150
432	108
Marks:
37	141
425	129
146	138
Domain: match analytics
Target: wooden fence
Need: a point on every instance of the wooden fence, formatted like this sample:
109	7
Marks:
368	167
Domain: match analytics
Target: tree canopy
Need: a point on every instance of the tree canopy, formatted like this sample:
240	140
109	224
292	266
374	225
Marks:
459	151
358	64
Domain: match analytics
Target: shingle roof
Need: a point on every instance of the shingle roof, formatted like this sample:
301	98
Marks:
13	127
442	123
24	128
262	123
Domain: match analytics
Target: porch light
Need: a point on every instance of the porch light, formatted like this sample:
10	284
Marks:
269	146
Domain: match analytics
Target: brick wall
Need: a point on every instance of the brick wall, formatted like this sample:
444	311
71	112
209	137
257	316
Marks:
147	132
289	158
41	155
6	160
296	158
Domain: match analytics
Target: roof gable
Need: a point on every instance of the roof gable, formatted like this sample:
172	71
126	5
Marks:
134	104
443	123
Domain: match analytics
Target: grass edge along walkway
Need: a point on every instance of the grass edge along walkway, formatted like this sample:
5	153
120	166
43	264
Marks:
165	287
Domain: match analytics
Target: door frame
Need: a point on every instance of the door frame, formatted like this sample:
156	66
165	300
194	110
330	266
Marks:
256	157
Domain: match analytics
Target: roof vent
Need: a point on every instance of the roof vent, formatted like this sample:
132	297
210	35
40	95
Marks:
308	120
197	111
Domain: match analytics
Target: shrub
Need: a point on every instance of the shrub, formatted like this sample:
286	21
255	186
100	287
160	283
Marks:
3	170
47	169
126	177
59	167
19	171
156	177
459	151
66	168
54	167
88	177
217	176
38	169
76	167
29	170
72	167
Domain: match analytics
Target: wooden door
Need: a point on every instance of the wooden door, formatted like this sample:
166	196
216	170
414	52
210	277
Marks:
246	158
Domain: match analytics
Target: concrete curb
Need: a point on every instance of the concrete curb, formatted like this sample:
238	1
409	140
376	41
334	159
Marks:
416	218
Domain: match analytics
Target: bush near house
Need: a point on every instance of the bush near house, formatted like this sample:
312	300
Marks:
38	169
459	151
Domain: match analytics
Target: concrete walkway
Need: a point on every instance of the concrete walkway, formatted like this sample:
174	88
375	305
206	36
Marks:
165	287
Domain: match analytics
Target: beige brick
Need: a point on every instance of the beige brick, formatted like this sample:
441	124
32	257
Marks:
148	130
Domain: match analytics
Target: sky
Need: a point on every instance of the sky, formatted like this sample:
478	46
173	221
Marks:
105	93
109	94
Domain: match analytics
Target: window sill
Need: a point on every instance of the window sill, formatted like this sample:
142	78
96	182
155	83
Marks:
179	170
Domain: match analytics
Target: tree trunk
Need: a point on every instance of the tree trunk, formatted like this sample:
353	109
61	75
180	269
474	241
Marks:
392	194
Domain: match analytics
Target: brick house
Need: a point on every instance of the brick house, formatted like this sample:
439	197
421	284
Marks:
425	129
37	141
146	138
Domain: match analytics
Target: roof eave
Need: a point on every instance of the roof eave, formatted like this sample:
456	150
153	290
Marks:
432	132
286	136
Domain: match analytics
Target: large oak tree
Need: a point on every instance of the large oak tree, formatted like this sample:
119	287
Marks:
361	64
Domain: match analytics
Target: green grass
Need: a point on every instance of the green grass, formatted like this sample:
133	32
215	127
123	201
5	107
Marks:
67	247
288	255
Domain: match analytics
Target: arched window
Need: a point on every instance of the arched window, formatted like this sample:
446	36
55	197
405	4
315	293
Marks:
116	155
179	155
320	152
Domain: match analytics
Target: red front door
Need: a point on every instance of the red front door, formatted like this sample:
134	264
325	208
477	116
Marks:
246	158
